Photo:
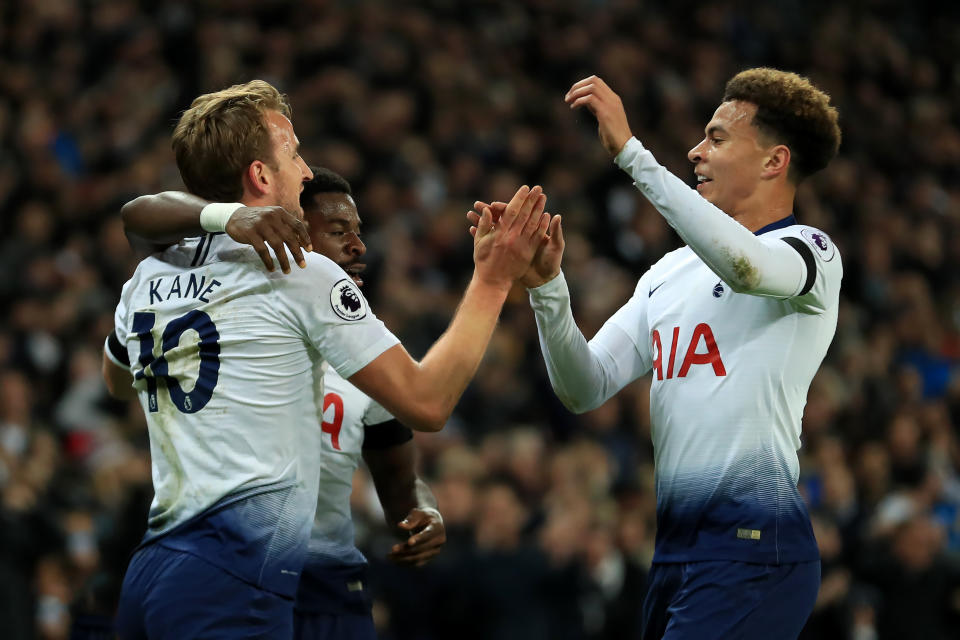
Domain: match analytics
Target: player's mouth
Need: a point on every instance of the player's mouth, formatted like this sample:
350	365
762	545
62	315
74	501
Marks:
354	270
702	180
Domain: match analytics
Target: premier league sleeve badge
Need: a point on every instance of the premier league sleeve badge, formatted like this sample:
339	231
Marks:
347	301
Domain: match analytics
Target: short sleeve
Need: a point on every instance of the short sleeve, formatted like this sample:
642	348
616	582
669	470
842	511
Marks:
117	340
116	351
331	311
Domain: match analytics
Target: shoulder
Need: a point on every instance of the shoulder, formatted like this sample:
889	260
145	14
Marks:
819	242
659	270
318	269
321	277
672	258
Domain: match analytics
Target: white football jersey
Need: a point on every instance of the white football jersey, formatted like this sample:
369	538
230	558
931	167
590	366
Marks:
730	369
347	411
224	354
730	374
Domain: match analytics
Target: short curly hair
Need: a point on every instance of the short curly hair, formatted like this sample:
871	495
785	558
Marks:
790	111
221	133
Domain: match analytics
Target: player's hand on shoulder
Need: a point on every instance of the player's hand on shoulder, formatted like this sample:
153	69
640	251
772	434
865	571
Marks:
275	227
427	536
594	94
505	242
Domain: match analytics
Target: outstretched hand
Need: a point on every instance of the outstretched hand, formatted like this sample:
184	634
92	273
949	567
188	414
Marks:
504	250
594	94
546	262
427	537
273	226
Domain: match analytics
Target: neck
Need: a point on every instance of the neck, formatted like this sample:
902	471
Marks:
765	208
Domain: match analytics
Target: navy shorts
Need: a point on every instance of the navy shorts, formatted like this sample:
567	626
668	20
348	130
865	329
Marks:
172	595
333	626
334	603
724	599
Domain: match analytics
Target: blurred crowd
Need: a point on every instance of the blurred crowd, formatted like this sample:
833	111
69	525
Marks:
425	107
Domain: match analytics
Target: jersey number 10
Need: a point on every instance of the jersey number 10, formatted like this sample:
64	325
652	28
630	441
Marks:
154	368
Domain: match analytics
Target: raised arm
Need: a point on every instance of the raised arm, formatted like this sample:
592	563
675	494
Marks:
749	264
423	394
154	222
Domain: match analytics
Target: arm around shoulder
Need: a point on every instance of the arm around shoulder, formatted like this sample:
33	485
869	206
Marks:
159	220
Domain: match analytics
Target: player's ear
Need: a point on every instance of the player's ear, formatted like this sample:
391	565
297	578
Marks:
256	179
777	162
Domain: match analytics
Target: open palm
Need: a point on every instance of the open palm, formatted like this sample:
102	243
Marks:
546	262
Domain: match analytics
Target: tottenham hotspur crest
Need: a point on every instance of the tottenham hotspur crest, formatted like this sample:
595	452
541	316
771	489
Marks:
346	300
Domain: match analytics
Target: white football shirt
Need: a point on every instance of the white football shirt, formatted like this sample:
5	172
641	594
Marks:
347	412
223	354
730	372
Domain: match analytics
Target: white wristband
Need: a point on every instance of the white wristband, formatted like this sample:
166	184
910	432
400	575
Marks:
214	216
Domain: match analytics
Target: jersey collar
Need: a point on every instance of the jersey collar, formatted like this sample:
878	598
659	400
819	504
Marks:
779	224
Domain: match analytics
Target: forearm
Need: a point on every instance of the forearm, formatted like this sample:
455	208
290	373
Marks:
163	218
422	395
580	372
731	251
400	498
399	488
452	361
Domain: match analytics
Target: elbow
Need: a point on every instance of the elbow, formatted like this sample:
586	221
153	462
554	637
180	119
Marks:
129	210
576	405
430	419
433	422
744	274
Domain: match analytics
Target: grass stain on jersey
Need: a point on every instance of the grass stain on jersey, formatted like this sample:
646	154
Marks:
745	273
166	504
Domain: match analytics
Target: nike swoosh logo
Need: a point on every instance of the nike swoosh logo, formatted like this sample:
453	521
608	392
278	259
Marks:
654	289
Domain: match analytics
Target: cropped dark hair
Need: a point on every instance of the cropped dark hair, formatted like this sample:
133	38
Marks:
324	181
793	112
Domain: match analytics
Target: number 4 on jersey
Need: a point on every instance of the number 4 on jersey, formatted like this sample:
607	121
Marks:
333	428
157	368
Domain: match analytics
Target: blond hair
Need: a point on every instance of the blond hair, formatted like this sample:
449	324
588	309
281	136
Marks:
221	133
790	111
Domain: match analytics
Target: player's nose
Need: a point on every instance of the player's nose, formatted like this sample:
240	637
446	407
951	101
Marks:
356	246
305	170
695	154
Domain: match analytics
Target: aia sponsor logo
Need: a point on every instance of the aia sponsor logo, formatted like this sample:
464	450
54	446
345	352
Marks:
701	350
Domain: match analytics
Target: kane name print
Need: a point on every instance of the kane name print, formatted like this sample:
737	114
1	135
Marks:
193	287
694	354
